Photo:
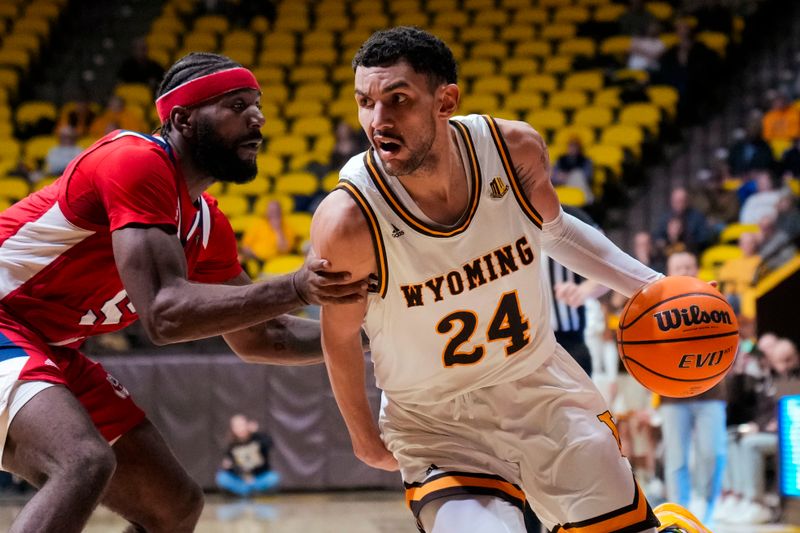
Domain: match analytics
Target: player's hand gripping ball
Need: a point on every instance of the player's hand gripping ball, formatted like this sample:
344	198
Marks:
678	336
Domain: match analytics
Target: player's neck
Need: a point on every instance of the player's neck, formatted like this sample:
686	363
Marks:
439	185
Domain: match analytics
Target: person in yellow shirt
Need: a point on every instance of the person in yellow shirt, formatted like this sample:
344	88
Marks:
267	237
782	121
736	275
117	115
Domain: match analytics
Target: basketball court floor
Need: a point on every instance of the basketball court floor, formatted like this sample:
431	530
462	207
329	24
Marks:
330	512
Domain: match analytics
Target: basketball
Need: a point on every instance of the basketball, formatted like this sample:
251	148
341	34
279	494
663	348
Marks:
678	336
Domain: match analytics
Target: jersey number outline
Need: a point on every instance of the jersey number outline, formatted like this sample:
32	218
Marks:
508	322
112	311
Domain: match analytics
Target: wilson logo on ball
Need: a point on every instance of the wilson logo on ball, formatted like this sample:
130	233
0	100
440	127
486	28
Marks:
676	318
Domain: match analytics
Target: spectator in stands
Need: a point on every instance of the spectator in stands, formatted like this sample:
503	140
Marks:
349	142
788	214
118	116
717	202
763	202
693	230
691	67
790	160
750	152
736	275
266	237
574	169
246	468
777	247
139	68
644	251
636	20
697	421
782	121
59	156
78	116
646	49
757	439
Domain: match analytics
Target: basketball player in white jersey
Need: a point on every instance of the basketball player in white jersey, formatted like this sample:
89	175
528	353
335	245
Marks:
482	409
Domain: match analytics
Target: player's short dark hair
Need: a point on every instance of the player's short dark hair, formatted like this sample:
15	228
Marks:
189	67
426	53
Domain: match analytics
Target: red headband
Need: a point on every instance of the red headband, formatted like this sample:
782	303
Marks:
204	88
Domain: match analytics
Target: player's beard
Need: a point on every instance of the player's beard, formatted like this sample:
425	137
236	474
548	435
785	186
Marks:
418	155
220	159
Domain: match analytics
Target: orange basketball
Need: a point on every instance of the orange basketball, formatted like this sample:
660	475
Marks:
678	336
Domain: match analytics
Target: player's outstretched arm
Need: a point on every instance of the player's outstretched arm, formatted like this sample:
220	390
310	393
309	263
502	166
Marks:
573	243
173	309
339	232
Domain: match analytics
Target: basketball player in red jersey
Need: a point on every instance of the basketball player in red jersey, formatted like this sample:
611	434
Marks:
127	233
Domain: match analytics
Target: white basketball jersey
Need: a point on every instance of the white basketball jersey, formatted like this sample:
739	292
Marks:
461	307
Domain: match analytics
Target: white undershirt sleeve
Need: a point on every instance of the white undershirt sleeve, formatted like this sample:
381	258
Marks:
586	251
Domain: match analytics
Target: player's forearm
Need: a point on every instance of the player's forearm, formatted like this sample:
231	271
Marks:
345	364
187	311
591	254
286	340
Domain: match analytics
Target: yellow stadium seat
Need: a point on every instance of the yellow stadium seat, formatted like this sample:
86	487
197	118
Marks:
345	107
555	3
297	183
559	32
300	222
274	93
135	94
523	102
404	6
584	81
608	97
285	57
571	196
543	83
239	39
605	155
303	108
490	17
732	232
269	164
565	135
669	39
715	40
609	13
493	50
546	119
23	41
537	16
437	6
36	25
492	85
244	56
167	24
641	114
660	10
538	49
268	75
308	73
557	65
516	4
288	145
519	66
36	148
477	34
9	80
571	14
319	56
10	149
342	74
333	23
472	5
256	187
478	103
279	40
593	117
718	254
665	97
4	204
618	45
517	33
628	136
11	57
273	128
578	46
283	264
314	91
779	146
233	205
211	23
365	6
162	41
476	68
14	188
330	180
312	126
287	203
371	21
216	188
45	10
411	18
200	41
33	111
9	11
568	100
451	19
319	39
44	182
240	223
296	23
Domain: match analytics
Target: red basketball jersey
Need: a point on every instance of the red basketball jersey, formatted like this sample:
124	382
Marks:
57	271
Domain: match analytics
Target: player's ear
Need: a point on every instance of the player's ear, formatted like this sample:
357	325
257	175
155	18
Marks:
450	95
181	119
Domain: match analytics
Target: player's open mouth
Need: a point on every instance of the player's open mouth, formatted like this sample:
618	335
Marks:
252	145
